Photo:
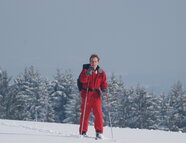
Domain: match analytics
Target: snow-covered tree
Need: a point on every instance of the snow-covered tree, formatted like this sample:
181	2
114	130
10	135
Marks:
125	108
177	110
183	122
144	109
61	90
56	99
4	93
111	102
1	107
163	116
32	101
72	109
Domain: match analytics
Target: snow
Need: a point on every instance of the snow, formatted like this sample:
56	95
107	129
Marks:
12	131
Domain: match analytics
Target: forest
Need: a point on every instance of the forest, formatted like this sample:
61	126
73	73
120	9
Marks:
32	97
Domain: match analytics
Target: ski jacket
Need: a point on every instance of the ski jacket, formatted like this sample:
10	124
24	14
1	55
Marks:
94	81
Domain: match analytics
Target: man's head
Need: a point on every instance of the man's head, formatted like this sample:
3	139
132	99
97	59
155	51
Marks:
94	60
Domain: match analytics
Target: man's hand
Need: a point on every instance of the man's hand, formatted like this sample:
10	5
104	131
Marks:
89	71
105	91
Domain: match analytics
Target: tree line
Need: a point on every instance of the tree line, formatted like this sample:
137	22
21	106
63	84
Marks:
32	97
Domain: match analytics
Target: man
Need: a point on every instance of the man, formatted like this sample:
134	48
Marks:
93	80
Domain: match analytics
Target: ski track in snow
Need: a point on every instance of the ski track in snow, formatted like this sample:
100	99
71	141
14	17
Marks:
39	132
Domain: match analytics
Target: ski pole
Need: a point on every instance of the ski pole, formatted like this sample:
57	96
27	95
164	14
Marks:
85	105
108	107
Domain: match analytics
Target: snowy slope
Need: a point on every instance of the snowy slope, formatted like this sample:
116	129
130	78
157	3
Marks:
35	132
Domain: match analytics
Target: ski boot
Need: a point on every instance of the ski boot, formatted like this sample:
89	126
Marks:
83	134
99	135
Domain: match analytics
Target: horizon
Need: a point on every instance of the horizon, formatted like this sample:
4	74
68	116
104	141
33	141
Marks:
127	83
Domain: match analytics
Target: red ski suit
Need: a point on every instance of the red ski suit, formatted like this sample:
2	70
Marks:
94	82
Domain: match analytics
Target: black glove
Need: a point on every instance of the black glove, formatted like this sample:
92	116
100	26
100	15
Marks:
89	71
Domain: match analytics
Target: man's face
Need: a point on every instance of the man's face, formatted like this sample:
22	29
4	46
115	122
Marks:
94	62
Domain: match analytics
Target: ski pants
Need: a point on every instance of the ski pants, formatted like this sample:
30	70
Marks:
94	104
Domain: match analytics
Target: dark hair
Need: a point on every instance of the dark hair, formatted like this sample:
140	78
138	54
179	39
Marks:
94	56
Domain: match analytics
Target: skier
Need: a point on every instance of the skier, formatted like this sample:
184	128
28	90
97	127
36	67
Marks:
93	80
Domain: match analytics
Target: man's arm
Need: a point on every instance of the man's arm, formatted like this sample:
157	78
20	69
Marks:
84	74
104	84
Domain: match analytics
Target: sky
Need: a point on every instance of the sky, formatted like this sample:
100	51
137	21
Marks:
143	41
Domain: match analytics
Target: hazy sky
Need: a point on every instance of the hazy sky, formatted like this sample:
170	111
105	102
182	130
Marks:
142	40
